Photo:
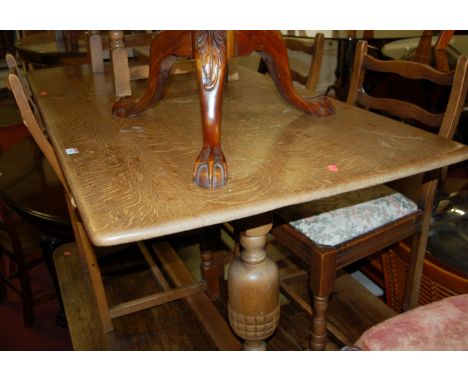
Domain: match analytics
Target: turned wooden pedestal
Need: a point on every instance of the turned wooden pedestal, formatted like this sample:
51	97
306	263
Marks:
253	285
210	49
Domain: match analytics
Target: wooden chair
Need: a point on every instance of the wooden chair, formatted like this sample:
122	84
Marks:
15	69
117	43
316	51
312	230
438	279
20	244
186	286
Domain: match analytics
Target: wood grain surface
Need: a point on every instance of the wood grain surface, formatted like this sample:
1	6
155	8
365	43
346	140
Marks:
131	178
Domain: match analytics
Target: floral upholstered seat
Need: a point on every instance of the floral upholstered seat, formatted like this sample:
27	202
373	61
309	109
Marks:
441	325
335	220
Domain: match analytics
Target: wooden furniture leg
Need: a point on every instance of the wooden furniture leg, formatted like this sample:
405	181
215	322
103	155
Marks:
208	267
271	47
418	251
165	47
253	287
321	284
209	48
89	257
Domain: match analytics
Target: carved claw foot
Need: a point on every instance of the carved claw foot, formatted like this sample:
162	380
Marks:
210	169
320	106
125	107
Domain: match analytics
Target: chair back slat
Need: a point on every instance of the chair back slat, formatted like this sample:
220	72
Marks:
299	46
402	109
409	69
14	69
444	123
31	123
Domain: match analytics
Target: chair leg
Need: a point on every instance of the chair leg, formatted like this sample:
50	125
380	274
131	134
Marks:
418	251
318	335
214	258
209	272
2	275
88	255
321	283
26	292
415	271
49	243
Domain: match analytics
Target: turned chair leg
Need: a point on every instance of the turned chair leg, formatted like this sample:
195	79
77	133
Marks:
321	283
210	271
318	333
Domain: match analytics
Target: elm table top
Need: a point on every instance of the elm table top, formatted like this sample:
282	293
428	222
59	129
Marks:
132	178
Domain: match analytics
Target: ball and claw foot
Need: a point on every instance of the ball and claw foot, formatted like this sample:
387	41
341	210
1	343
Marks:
320	106
125	107
210	169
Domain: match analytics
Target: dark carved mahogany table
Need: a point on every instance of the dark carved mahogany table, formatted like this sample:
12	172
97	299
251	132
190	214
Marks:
211	50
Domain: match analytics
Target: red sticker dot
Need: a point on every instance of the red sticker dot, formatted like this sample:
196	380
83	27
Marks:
332	168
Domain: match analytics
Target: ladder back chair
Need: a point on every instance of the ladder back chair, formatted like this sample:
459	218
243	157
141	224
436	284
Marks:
86	248
334	232
315	50
20	240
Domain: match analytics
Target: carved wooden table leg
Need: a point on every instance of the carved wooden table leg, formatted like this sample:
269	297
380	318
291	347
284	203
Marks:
271	47
253	287
165	47
209	48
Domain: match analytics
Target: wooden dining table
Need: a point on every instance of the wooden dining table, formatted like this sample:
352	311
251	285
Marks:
52	48
131	178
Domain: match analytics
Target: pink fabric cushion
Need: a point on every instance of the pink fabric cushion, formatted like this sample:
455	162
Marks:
441	325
